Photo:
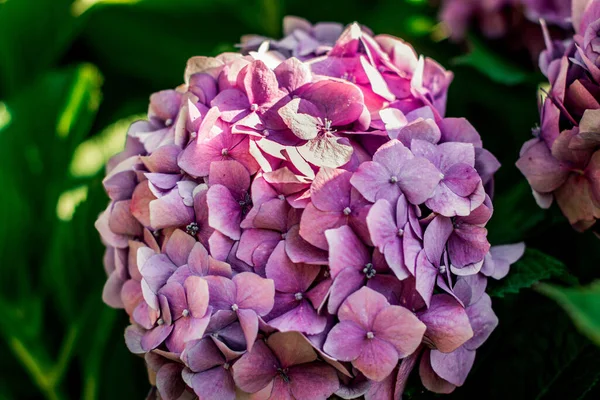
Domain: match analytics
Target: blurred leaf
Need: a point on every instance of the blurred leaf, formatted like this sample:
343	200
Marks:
515	214
33	36
493	65
581	303
533	267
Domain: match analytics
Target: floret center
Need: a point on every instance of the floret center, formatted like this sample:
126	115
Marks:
370	335
283	373
298	296
224	152
185	312
369	271
347	211
393	179
192	229
235	307
400	232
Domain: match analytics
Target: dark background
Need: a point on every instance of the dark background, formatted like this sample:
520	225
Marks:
73	75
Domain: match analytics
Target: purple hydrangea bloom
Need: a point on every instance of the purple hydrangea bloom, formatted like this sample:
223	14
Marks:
300	220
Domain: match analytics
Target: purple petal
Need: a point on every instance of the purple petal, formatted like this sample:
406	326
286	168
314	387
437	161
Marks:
255	369
314	381
225	212
483	320
291	348
348	281
453	367
345	341
430	379
345	250
302	318
215	383
447	323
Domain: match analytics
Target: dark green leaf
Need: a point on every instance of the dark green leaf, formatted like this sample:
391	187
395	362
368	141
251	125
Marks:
532	268
492	65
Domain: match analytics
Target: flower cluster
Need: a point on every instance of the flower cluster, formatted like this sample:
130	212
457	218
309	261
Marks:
563	160
293	229
496	17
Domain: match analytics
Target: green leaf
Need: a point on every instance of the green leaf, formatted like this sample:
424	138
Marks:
533	267
33	36
515	214
492	65
581	303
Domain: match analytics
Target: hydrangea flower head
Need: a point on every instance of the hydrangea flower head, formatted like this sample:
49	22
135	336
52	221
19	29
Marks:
300	220
562	161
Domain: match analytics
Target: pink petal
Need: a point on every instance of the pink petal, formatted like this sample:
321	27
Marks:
179	247
345	250
254	292
255	369
289	277
298	117
169	211
300	251
222	292
401	328
232	103
186	329
542	170
362	307
348	281
315	223
225	212
377	360
249	323
291	348
231	174
260	83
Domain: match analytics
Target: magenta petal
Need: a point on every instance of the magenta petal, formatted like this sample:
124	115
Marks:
260	83
345	250
462	179
372	180
330	191
453	367
348	281
215	383
288	276
232	104
255	369
315	223
447	323
231	174
377	360
302	318
345	341
300	251
225	212
314	381
401	328
430	379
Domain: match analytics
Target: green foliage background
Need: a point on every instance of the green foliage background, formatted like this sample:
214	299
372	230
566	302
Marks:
70	69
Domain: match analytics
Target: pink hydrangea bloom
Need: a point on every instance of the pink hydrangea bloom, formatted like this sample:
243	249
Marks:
283	224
